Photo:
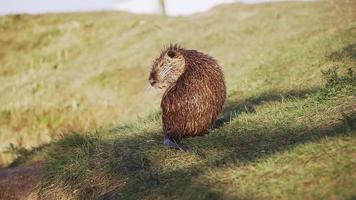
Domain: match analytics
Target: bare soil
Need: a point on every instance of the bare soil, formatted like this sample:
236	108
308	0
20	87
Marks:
18	182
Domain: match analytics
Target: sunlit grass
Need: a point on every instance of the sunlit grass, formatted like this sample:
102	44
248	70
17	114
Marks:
79	83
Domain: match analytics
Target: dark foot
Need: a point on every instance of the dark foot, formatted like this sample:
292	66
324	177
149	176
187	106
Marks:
171	143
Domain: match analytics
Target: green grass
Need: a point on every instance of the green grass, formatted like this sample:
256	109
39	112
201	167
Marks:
287	130
301	147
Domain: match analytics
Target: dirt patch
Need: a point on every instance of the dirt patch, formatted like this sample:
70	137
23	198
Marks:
18	182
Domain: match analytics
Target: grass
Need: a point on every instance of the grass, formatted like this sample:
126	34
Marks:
272	153
287	130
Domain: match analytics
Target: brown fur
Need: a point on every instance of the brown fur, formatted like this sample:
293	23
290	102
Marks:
195	91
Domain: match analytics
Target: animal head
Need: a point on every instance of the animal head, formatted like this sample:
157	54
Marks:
167	68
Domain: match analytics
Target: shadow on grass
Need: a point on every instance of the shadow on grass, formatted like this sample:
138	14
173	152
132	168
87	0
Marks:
233	107
137	160
230	144
348	51
24	155
146	170
145	177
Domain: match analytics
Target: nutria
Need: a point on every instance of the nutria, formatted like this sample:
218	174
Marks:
194	92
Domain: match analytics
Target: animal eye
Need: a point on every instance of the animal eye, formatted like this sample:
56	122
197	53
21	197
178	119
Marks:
171	54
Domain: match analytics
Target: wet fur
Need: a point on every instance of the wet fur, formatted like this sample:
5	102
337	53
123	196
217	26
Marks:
191	102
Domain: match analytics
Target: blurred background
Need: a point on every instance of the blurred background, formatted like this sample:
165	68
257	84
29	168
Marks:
169	7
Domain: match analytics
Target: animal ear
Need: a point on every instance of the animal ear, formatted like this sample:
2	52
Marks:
171	54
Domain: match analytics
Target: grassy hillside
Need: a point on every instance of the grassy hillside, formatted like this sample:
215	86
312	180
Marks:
289	120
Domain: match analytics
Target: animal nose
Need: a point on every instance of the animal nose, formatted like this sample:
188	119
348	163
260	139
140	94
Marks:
152	81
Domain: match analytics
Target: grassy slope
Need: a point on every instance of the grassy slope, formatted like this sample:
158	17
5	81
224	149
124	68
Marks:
288	132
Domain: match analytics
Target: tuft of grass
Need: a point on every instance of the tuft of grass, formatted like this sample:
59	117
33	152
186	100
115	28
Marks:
337	81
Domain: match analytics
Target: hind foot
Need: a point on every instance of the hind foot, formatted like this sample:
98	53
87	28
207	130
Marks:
171	143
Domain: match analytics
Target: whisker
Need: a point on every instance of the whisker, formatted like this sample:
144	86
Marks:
164	72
